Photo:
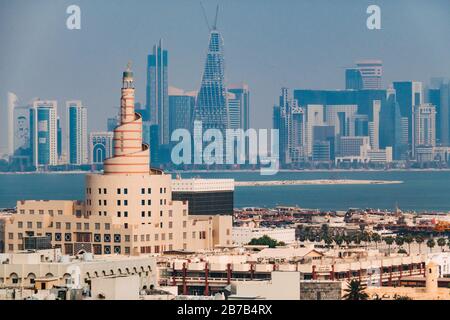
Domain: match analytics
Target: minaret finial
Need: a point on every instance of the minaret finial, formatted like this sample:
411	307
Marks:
129	65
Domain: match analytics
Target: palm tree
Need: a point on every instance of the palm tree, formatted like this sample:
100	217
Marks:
419	240
389	241
376	238
355	291
399	240
431	243
408	239
338	239
441	243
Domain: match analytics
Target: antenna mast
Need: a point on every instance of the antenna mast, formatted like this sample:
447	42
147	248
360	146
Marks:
215	19
206	17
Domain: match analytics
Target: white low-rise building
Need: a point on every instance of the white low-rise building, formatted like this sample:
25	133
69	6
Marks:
243	235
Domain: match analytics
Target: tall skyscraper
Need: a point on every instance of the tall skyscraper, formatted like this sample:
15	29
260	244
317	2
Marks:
58	138
353	79
100	146
314	117
408	95
77	148
371	73
374	126
439	96
157	91
181	111
291	122
43	128
18	127
212	105
12	103
242	93
424	126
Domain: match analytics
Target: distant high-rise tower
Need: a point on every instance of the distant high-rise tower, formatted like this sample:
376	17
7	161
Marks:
12	102
77	151
353	79
212	105
424	126
43	128
242	94
157	91
371	73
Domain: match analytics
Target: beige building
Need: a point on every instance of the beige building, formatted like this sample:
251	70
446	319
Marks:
127	210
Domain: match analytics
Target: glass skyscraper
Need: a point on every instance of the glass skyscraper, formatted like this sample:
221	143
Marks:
43	133
212	105
157	91
77	150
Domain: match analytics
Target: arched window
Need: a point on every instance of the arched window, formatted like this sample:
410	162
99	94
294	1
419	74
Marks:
14	278
31	277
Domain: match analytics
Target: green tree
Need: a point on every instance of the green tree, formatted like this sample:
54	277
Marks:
399	240
264	241
419	240
431	243
376	238
338	239
355	291
408	240
441	242
389	241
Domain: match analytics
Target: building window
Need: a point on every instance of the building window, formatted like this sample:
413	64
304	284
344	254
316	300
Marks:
78	226
118	191
156	237
104	191
143	214
104	202
58	225
184	235
60	212
125	191
170	213
184	224
142	190
160	213
20	236
50	212
135	237
86	226
125	202
99	190
57	236
107	237
41	211
31	211
107	226
170	224
22	211
163	236
170	236
118	202
143	202
125	225
29	224
184	212
10	236
117	238
39	225
20	224
160	201
149	214
127	250
160	190
68	237
149	202
118	214
149	190
68	225
10	247
193	234
127	238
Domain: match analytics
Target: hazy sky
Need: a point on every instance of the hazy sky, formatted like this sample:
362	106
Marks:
268	44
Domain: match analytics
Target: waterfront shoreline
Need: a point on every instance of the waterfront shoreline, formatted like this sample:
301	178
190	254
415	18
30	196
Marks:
313	182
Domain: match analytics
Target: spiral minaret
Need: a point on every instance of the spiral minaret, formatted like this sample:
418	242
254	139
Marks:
131	155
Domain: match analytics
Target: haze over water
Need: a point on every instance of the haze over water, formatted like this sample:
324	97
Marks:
420	190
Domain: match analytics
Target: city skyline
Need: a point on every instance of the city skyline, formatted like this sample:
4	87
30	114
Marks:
185	74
